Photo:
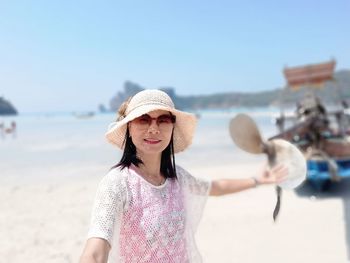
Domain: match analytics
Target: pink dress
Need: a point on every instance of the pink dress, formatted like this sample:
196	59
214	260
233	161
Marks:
147	223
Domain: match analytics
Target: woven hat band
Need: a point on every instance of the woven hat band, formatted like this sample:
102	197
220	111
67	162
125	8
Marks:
155	103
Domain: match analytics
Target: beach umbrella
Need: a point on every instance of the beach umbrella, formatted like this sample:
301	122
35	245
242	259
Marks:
247	136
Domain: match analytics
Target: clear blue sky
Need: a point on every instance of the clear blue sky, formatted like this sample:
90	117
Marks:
72	55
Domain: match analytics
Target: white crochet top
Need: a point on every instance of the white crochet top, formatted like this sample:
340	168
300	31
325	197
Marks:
147	223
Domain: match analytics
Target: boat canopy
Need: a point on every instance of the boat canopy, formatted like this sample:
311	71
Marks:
313	75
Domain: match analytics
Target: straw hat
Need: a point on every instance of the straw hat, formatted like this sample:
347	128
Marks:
144	102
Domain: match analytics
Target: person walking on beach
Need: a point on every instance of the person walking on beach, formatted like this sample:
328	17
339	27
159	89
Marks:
2	132
13	129
147	208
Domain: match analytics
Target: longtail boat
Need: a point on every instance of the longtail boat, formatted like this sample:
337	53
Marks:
323	135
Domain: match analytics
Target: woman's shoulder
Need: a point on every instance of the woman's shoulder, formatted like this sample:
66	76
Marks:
186	176
116	173
182	174
181	168
115	177
180	171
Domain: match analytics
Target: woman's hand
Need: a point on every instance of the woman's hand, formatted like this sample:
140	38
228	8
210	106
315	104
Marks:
274	175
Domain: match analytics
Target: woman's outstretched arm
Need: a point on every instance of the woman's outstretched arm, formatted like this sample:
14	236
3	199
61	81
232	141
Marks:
230	186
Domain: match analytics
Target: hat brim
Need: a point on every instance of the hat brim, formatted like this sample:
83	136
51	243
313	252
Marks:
184	128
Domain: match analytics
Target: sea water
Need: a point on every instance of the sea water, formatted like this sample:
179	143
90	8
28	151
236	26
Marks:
57	145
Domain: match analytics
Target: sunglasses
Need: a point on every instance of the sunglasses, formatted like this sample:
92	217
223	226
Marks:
162	121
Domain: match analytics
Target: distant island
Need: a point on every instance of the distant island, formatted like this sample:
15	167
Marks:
332	93
6	108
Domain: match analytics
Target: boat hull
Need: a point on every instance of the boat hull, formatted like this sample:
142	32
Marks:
319	175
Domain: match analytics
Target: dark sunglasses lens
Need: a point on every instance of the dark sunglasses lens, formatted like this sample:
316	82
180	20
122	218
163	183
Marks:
144	120
166	119
147	120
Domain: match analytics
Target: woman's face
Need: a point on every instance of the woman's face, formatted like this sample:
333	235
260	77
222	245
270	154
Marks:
151	133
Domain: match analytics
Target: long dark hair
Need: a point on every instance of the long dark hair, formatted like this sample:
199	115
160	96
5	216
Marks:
167	163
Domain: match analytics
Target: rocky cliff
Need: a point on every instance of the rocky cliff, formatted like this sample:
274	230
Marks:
333	92
6	108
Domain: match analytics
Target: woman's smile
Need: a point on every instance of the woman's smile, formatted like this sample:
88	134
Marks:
152	141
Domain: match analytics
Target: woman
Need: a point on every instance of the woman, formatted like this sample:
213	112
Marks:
147	208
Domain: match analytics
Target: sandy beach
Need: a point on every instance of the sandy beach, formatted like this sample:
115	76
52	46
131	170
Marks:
47	222
72	71
47	219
